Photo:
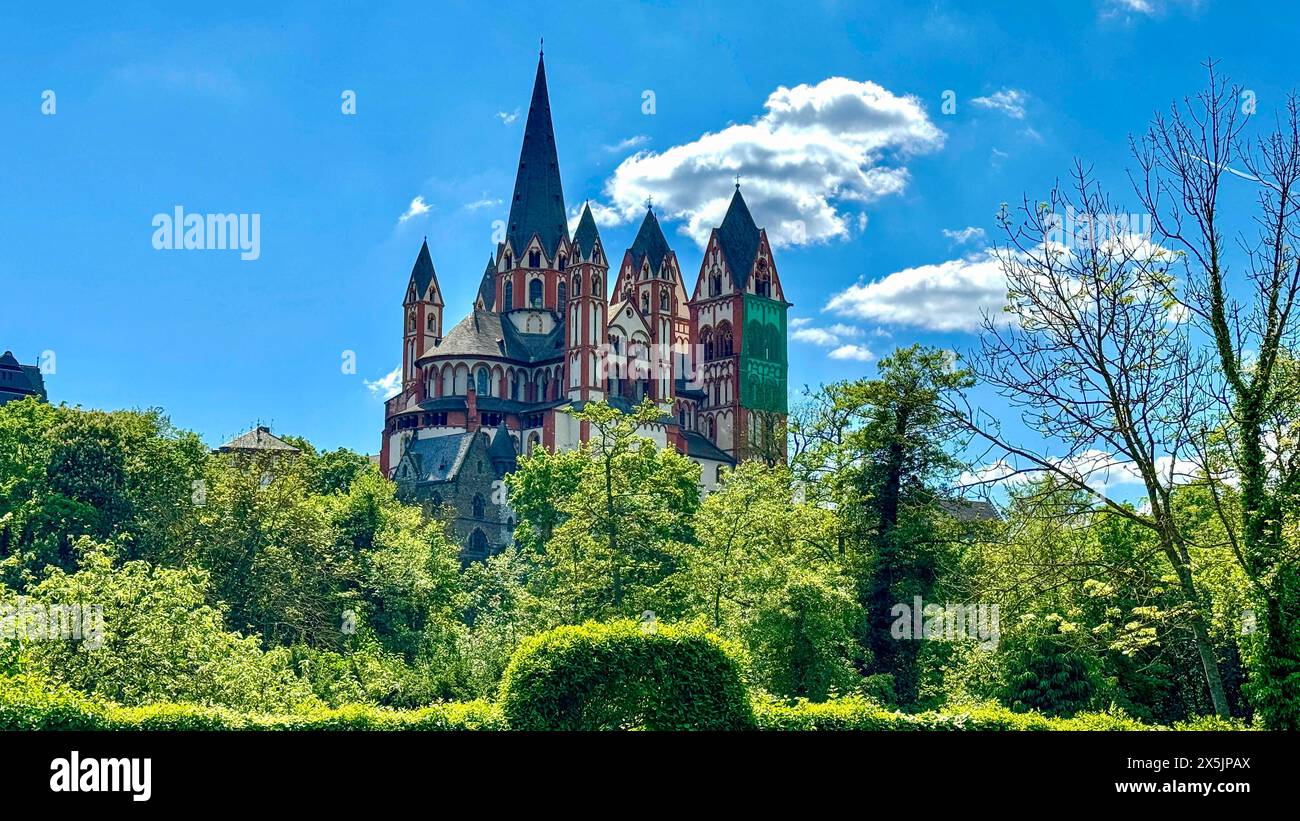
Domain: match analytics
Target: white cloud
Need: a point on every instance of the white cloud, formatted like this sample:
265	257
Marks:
825	337
485	202
808	163
961	236
635	141
948	296
386	386
416	208
1009	101
854	352
1128	10
1103	472
508	117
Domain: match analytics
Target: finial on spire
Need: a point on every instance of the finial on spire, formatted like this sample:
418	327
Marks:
541	46
737	182
649	203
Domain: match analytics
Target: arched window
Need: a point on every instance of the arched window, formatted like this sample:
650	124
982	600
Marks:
562	294
577	285
715	283
533	441
595	284
535	294
723	341
509	302
514	386
713	430
534	259
564	262
478	545
478	506
645	302
763	280
663	300
410	321
429	324
706	342
482	383
510	261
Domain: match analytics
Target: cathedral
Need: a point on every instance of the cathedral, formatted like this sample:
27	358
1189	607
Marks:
547	333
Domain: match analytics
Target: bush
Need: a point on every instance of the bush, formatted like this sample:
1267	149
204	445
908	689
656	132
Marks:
619	676
856	713
27	703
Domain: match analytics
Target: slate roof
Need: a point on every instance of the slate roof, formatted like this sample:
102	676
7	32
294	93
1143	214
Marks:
502	450
438	458
966	510
649	244
487	286
18	380
422	273
701	448
738	236
259	438
484	333
538	203
585	236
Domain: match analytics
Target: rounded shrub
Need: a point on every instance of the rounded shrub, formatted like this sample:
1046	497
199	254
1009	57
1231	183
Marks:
622	676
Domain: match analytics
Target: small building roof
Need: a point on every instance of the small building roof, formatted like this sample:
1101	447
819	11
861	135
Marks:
259	439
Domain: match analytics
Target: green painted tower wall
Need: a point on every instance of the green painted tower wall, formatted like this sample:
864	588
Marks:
764	365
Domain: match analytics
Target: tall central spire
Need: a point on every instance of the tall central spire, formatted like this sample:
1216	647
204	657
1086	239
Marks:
538	203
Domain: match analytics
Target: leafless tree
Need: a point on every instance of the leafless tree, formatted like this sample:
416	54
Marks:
1096	359
1193	161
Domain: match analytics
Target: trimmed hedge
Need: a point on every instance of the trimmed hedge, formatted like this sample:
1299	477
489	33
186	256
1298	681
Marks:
26	704
618	675
856	713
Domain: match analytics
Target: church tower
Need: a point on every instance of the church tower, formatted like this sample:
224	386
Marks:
587	313
422	309
738	315
532	259
650	284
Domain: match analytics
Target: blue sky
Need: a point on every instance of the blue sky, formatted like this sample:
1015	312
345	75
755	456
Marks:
236	108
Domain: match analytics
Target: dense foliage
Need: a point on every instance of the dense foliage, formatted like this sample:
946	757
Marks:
623	675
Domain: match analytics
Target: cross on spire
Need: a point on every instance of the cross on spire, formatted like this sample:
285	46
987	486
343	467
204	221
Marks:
649	203
737	182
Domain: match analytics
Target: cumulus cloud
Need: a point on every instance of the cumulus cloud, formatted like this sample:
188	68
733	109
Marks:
415	209
484	202
508	117
857	353
825	337
1104	472
808	164
1010	101
948	296
386	386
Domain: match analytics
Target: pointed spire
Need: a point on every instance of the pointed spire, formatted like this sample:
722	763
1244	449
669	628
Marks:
487	287
422	272
585	236
538	203
738	236
502	450
649	244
